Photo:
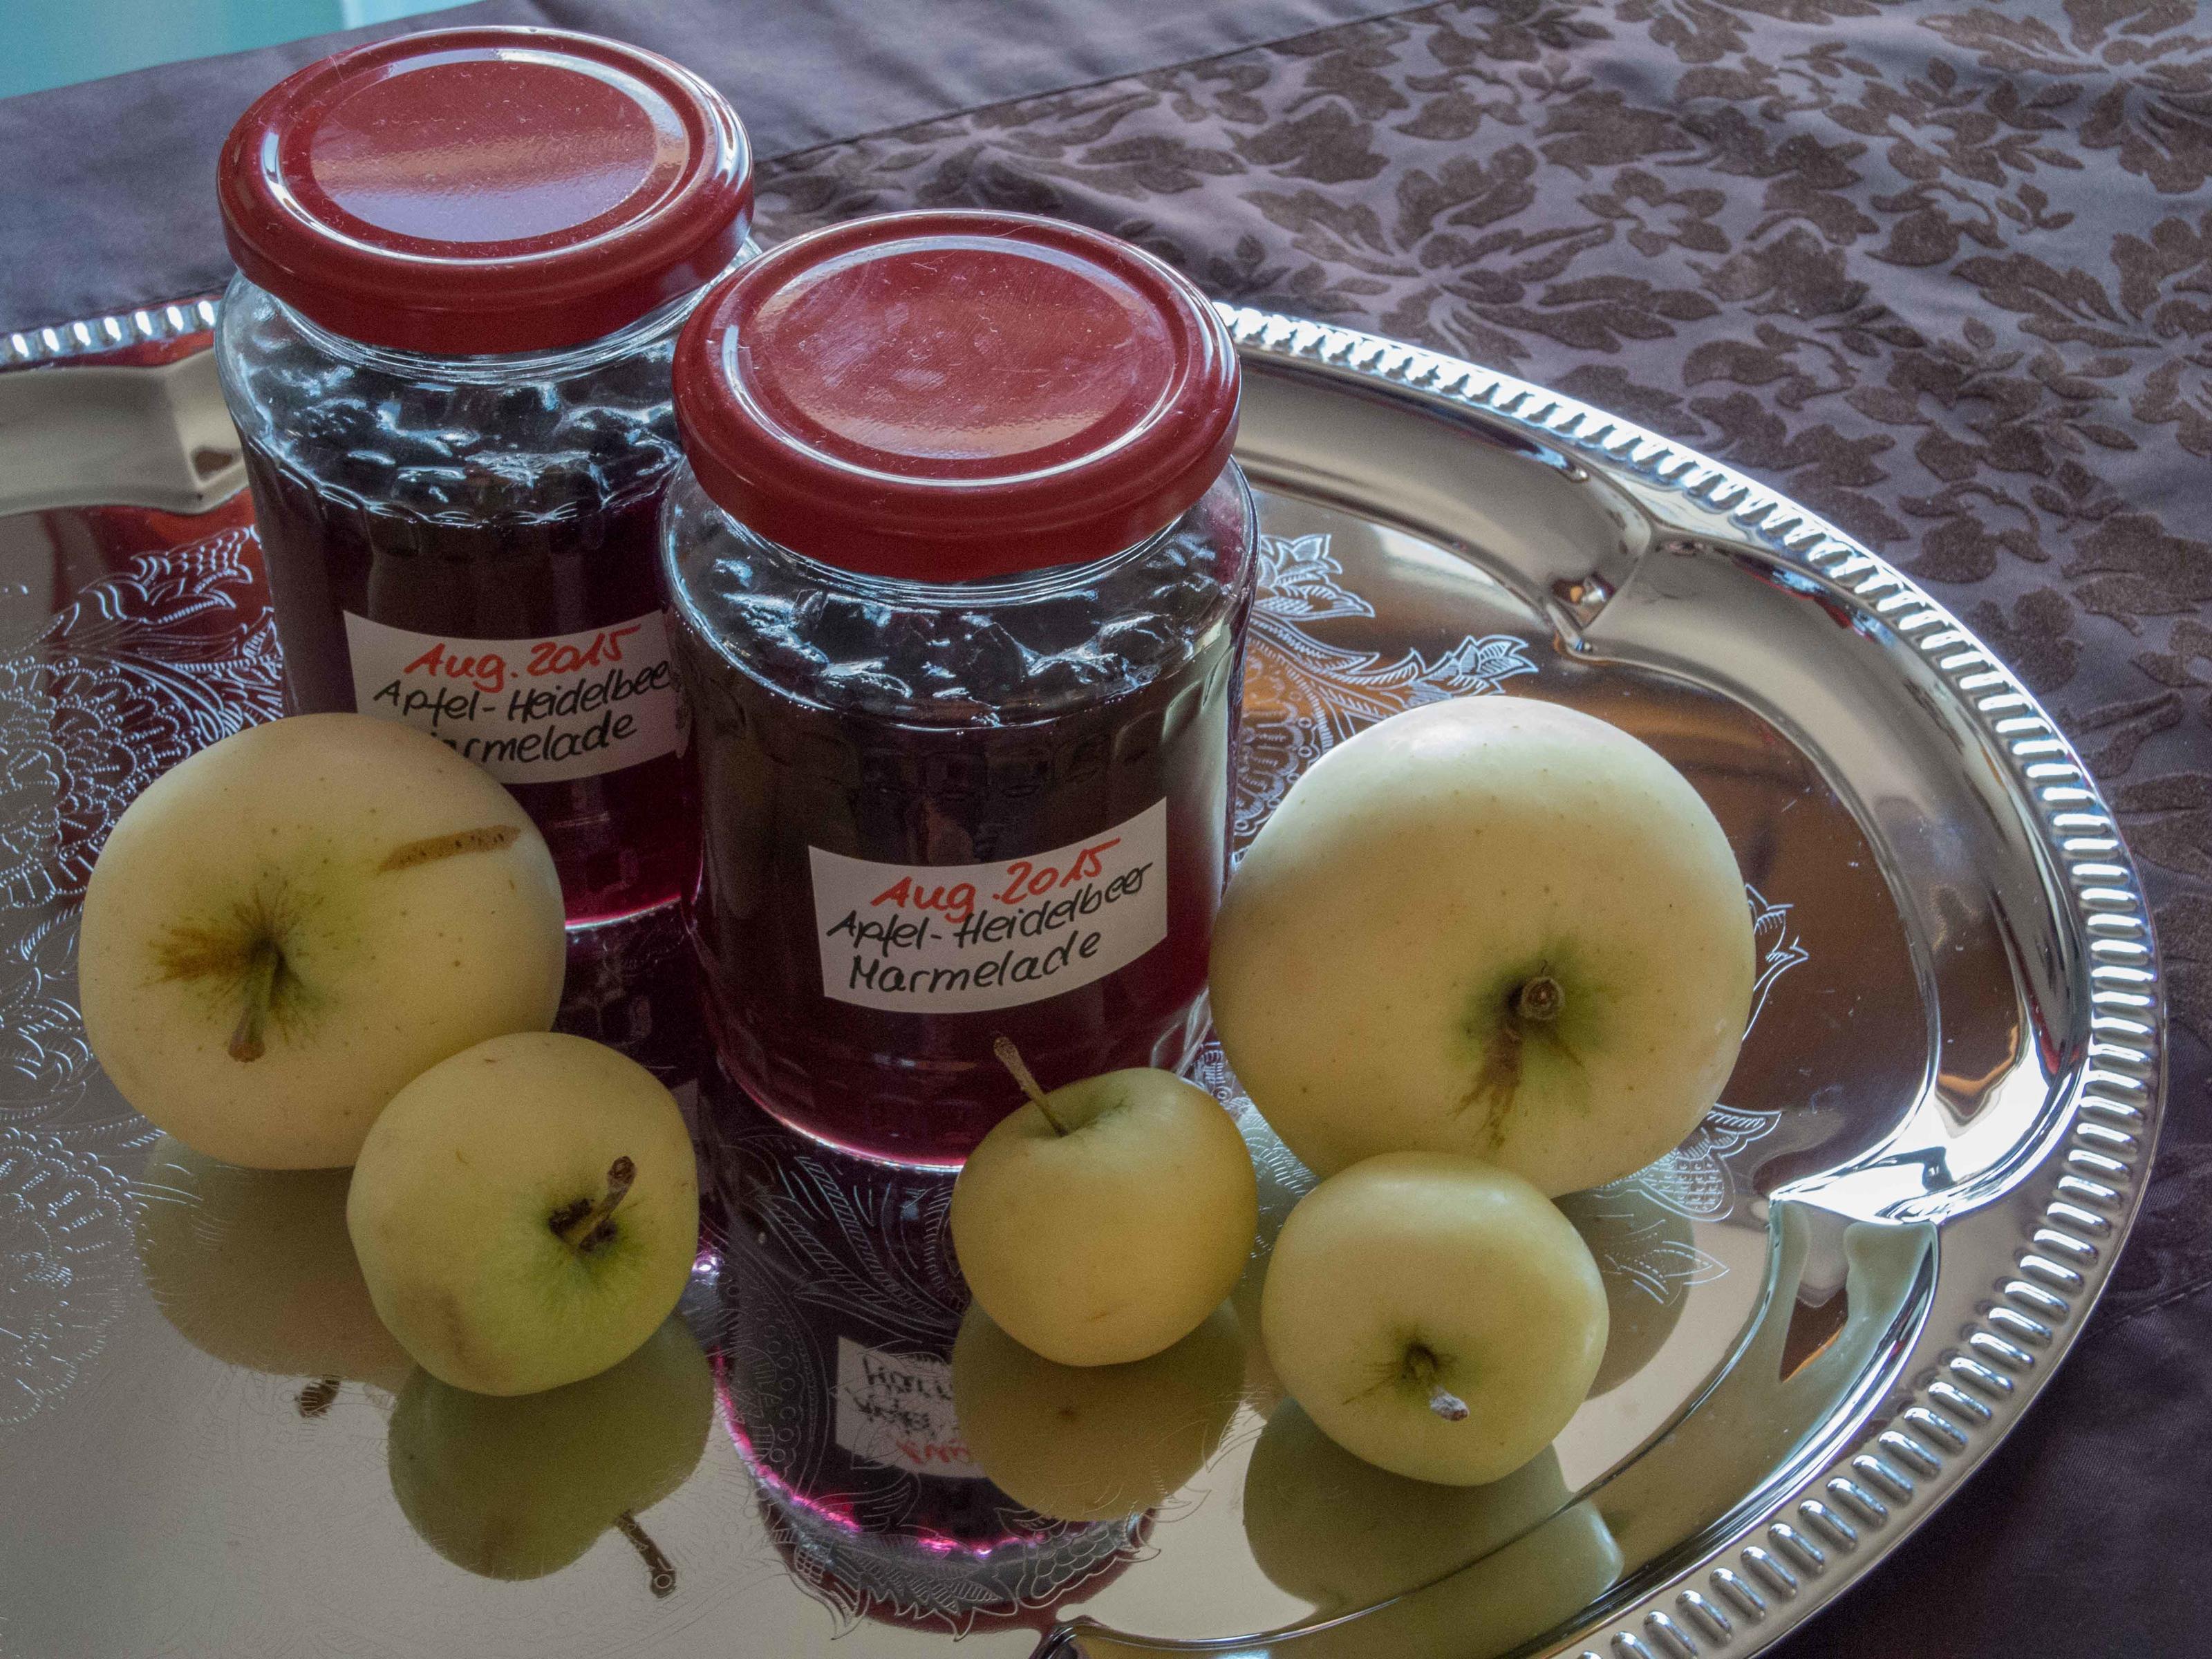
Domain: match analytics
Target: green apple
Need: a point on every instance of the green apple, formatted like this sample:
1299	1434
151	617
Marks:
284	928
1102	1222
1340	1533
1491	926
1645	1254
520	1488
253	1267
1094	1442
526	1213
1435	1315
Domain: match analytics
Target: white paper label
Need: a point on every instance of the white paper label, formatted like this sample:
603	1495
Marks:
896	1409
527	711
964	938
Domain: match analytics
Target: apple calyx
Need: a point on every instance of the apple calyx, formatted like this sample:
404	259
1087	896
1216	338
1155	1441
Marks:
586	1224
1540	999
662	1570
485	838
1421	1369
1010	1058
1534	1004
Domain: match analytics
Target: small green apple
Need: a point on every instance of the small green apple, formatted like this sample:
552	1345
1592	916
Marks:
1340	1533
520	1488
254	1268
1434	1314
1102	1222
1094	1442
284	928
526	1213
1490	925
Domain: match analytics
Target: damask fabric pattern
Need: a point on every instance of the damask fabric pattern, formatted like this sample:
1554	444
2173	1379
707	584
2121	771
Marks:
1942	271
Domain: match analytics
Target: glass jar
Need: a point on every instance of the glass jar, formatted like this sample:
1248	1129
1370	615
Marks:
463	258
960	571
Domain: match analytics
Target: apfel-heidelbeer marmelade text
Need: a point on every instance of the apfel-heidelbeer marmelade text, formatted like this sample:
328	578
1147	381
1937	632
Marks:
960	569
465	256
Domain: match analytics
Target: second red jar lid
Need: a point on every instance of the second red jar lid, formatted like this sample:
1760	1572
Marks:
485	190
947	397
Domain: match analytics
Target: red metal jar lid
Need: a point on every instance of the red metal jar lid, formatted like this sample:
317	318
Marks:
485	190
948	397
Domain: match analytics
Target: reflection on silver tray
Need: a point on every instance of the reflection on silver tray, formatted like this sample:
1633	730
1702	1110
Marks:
1827	1303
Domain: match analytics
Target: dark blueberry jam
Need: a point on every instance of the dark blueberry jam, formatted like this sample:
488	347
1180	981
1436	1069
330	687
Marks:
1034	771
477	556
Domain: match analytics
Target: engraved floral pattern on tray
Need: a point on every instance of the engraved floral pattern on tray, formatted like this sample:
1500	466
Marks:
65	1255
1304	695
138	670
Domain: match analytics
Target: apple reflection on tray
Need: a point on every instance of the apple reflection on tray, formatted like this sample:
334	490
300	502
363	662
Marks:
914	1464
255	1267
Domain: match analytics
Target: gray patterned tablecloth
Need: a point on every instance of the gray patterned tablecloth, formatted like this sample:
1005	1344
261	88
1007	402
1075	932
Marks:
1941	270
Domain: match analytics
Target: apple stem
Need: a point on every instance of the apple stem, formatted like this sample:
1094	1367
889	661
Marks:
656	1562
584	1226
1010	1058
264	962
1540	999
1421	1366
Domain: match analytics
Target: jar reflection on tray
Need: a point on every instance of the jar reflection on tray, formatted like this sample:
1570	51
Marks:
835	1304
451	377
961	573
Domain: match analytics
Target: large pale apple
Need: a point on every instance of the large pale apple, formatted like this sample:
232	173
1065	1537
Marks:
1435	1315
1103	1222
254	1268
1491	925
526	1213
283	929
520	1488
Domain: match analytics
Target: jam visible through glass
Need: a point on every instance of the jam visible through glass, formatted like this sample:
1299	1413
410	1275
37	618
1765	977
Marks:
510	510
951	726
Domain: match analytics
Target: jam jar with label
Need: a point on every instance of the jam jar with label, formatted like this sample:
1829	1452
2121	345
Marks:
464	258
960	570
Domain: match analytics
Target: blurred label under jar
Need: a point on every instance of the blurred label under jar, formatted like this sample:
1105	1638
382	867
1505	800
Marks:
961	938
527	711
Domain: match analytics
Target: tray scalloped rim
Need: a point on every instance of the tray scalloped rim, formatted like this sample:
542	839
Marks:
90	336
1968	1385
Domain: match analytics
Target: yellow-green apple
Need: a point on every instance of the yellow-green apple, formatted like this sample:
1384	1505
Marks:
1490	925
1102	1222
254	1268
526	1213
284	928
518	1488
1340	1533
1435	1315
1094	1442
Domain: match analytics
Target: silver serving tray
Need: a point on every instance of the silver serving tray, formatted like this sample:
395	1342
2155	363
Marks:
1829	1304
